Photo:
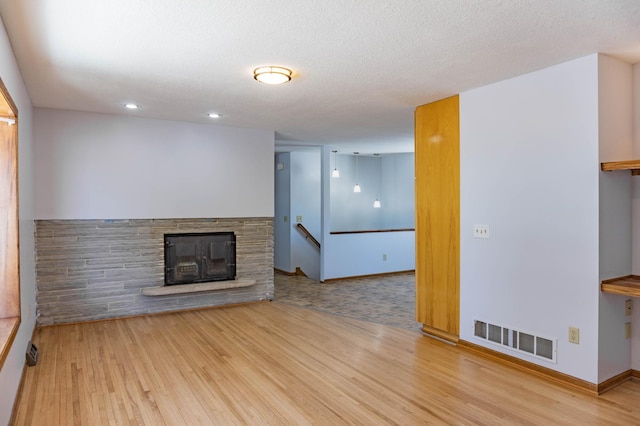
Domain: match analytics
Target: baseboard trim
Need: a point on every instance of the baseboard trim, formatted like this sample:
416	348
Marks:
439	334
384	274
635	374
614	381
535	369
300	272
297	273
280	271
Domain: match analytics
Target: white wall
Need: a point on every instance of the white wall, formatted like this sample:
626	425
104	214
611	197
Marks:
615	136
100	166
282	217
352	255
529	169
15	361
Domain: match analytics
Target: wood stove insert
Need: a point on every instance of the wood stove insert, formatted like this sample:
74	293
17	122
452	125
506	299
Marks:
199	257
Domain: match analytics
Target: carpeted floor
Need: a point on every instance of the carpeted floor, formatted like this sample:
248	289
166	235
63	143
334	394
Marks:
388	300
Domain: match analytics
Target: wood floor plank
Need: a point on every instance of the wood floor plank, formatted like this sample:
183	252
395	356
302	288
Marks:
271	363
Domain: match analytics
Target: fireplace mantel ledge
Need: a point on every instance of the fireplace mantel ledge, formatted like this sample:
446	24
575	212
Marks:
194	288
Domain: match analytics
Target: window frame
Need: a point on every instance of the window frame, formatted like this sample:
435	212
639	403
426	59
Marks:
10	305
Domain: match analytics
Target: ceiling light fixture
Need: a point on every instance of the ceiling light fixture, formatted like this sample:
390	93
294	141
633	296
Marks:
335	173
131	106
214	115
272	75
356	187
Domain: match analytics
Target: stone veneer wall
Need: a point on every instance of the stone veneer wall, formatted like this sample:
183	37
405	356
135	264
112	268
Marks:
94	269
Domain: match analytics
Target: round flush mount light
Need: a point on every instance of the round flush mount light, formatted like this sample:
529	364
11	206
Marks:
272	75
131	106
214	115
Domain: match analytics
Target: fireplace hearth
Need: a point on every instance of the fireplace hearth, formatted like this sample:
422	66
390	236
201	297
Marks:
199	257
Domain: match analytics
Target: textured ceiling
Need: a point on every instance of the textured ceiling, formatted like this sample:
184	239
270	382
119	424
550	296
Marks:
360	67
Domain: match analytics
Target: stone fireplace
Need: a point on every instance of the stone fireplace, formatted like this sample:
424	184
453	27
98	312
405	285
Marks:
96	269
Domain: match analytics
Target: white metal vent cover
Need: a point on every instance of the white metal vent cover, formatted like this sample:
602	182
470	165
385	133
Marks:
517	340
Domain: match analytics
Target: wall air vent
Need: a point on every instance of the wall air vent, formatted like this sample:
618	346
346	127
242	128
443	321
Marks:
517	340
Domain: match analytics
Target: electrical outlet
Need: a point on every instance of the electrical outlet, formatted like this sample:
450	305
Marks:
574	335
299	219
628	306
627	330
286	219
481	231
384	257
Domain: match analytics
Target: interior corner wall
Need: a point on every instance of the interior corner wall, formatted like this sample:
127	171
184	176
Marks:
635	185
635	335
306	209
615	221
298	200
103	166
354	211
398	191
352	255
388	177
529	170
325	206
282	217
11	370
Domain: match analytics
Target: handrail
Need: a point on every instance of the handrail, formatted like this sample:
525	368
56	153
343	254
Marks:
308	235
369	231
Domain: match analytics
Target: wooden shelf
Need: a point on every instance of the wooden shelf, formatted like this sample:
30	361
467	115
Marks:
193	288
628	286
633	165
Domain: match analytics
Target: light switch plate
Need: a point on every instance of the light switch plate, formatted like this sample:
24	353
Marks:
481	231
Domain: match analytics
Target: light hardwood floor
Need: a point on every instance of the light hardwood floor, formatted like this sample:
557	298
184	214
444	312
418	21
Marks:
272	363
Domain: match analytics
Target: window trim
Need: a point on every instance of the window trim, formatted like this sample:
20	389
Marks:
10	305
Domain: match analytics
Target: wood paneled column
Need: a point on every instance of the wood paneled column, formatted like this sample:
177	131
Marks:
437	186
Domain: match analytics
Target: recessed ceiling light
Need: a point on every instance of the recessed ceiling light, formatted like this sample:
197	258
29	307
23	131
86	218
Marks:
131	106
214	115
272	74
